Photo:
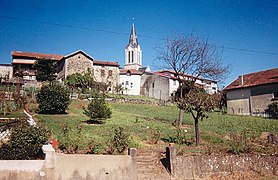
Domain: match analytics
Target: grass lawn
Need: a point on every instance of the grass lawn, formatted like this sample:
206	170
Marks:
147	123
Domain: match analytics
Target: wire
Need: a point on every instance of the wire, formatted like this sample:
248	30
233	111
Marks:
126	34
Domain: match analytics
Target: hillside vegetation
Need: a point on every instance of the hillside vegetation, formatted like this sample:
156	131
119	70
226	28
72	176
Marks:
152	126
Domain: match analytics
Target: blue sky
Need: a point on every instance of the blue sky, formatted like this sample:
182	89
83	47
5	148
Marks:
101	28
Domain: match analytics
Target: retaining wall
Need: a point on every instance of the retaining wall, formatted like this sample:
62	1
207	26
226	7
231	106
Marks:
204	166
71	166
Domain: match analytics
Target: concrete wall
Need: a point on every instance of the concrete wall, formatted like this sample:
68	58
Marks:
205	166
93	167
238	101
71	167
261	97
252	100
155	86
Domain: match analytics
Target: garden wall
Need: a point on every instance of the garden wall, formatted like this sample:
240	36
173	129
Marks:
71	166
204	166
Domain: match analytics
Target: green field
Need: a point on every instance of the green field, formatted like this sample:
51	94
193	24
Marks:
148	123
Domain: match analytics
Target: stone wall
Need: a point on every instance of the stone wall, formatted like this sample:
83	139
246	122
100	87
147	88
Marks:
78	63
205	166
110	79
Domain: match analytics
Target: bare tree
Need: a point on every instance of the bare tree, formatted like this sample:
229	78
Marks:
192	56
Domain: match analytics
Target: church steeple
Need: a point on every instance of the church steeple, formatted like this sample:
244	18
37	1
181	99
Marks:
133	52
133	37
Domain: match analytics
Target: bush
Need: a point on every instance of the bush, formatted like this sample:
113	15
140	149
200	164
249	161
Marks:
239	143
53	98
120	141
98	109
272	110
25	143
71	139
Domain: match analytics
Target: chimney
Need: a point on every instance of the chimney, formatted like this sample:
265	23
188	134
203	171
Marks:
241	80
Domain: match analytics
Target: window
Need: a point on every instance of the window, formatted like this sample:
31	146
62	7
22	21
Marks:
110	73
131	85
128	56
123	83
102	72
126	83
174	82
153	85
132	60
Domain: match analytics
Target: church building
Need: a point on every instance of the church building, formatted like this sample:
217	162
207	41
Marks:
130	76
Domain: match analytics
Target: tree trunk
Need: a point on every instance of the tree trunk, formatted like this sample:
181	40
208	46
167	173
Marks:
196	122
180	118
181	111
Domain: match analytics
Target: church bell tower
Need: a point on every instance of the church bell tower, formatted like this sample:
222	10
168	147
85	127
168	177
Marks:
133	51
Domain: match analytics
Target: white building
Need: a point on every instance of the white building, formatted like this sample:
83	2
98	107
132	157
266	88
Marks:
130	76
130	80
162	84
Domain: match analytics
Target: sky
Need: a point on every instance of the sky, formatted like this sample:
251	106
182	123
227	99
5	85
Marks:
246	30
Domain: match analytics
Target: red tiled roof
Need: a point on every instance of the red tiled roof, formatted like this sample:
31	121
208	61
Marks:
131	71
106	63
255	79
37	55
163	74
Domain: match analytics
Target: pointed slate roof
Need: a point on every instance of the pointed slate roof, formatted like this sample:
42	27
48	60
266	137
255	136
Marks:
133	42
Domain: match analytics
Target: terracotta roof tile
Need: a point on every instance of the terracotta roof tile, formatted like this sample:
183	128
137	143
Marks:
37	55
106	63
131	71
255	79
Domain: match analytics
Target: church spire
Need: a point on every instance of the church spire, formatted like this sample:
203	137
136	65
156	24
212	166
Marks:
133	51
133	42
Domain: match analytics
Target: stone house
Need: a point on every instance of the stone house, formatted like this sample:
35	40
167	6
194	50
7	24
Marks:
79	62
250	94
162	84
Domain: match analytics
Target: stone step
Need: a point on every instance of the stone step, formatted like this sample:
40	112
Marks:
147	159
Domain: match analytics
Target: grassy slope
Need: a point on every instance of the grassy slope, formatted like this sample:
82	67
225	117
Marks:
143	120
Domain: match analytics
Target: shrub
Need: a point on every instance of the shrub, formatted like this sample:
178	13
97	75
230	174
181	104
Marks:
93	147
25	143
98	109
272	110
120	141
71	139
239	143
53	98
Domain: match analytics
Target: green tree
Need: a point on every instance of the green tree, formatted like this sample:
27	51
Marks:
196	101
53	98
98	109
45	70
83	81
